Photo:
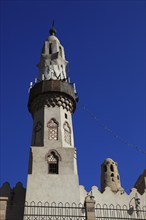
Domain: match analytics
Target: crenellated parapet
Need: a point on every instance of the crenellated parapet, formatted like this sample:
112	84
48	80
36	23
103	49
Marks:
140	184
108	197
12	201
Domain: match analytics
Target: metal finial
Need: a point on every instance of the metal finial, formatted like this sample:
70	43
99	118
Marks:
52	31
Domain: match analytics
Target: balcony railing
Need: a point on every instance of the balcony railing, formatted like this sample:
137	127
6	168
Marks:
88	211
119	212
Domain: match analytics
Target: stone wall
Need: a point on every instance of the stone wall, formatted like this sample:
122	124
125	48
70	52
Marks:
108	196
120	198
12	201
3	207
140	184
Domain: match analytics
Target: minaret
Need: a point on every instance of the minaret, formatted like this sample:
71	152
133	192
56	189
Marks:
52	174
110	176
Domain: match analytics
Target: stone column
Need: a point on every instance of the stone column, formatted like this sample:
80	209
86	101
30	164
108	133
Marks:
3	207
90	207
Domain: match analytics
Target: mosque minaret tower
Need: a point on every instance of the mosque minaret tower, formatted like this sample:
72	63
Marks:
53	191
52	173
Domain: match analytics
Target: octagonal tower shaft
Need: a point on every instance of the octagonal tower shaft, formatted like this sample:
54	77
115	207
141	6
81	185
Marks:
52	174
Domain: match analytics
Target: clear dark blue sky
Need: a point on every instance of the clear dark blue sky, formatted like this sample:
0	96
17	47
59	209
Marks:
104	43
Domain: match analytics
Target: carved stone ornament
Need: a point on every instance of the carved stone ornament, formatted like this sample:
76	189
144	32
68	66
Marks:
52	129
67	133
52	101
49	154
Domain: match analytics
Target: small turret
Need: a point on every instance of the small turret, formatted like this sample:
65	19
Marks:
110	176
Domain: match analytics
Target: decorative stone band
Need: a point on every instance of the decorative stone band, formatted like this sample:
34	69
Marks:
51	100
52	93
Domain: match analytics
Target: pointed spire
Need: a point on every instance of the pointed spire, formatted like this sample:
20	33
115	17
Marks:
52	31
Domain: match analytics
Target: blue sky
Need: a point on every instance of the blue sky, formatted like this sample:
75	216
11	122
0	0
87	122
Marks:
104	43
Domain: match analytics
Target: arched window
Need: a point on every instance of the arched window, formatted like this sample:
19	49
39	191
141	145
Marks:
52	129
62	72
50	48
111	168
37	136
60	51
67	133
105	168
53	161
